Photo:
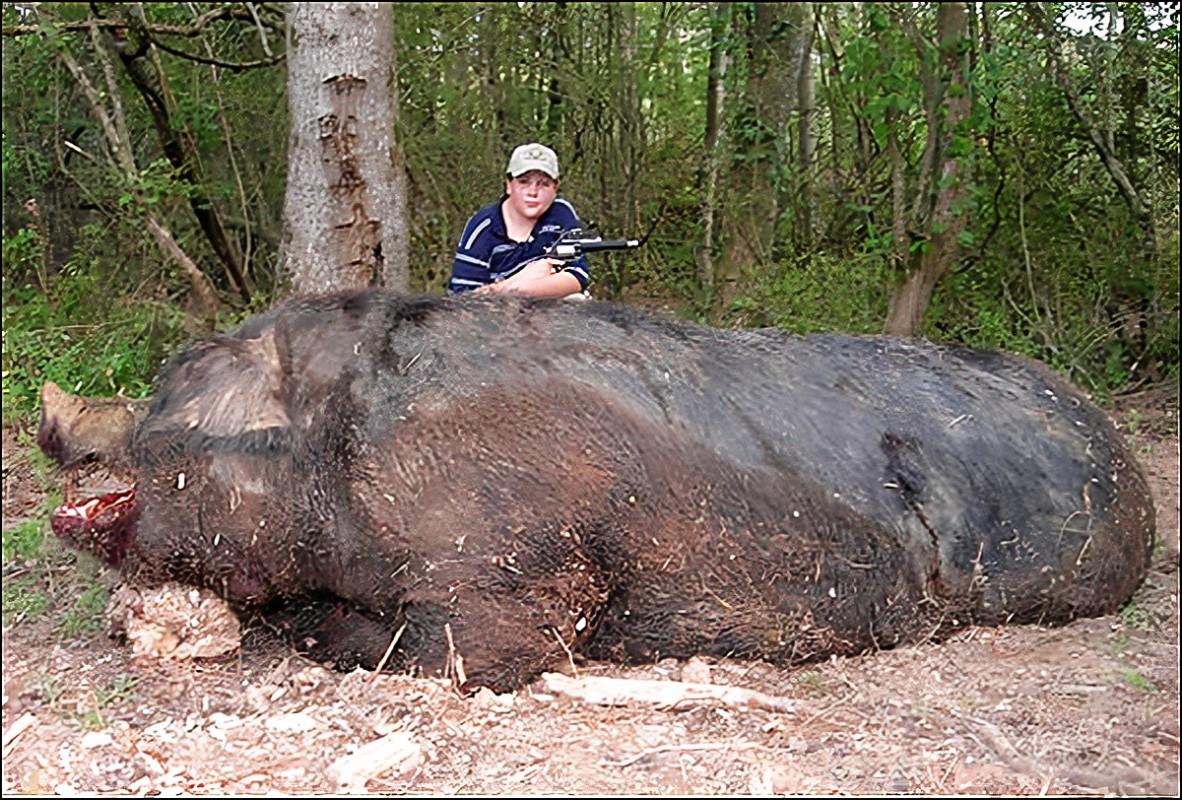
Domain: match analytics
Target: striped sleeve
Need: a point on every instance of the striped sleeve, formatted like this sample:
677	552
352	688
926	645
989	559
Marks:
470	266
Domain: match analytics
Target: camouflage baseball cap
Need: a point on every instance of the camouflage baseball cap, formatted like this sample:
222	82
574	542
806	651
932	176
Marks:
533	156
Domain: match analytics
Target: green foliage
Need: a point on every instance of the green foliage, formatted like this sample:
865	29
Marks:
45	470
822	294
23	541
23	598
22	250
33	558
87	612
813	683
1135	616
1136	680
119	690
86	344
52	688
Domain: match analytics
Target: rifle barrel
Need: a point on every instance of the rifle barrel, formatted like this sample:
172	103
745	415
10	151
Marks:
608	244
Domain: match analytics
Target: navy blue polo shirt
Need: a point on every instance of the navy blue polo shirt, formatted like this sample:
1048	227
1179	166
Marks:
486	253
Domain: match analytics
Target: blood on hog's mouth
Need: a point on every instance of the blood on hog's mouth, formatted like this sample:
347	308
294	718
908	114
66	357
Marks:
102	522
89	509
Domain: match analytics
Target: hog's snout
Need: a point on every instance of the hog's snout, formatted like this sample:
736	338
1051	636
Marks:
75	430
103	526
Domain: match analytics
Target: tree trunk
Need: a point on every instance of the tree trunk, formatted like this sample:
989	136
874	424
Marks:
555	50
629	144
497	134
770	97
806	140
345	207
133	50
715	100
910	300
1134	86
114	127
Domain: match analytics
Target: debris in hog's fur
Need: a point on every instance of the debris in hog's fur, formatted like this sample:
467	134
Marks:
490	487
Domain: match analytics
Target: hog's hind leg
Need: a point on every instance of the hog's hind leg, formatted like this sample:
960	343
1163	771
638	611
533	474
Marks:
326	628
516	611
497	620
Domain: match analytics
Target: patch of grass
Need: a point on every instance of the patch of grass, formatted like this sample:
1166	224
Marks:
34	562
1133	421
23	599
119	691
87	613
1120	644
1139	617
1136	680
86	347
813	682
23	541
45	469
1159	548
51	689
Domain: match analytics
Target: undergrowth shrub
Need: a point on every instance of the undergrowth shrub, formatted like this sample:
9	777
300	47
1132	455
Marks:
828	293
82	337
1103	315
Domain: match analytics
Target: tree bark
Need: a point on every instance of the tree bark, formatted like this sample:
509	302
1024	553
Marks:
715	102
909	302
556	50
770	97
806	139
899	242
345	206
496	133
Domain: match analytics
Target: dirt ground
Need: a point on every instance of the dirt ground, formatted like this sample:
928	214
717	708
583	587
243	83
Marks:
1091	708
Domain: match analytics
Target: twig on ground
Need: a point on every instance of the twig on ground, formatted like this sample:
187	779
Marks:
455	661
569	656
22	724
386	655
667	694
397	751
824	711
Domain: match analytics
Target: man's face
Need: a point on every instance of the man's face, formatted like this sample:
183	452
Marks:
531	194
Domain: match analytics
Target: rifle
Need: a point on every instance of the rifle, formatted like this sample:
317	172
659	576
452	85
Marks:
575	243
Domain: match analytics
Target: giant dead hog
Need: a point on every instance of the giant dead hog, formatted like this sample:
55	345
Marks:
494	483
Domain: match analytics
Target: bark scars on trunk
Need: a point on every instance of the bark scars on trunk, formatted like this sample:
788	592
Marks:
345	209
357	238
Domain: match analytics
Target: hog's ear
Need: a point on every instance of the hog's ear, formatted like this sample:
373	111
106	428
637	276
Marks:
223	388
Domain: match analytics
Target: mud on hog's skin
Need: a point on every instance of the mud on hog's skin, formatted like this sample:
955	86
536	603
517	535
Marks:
498	485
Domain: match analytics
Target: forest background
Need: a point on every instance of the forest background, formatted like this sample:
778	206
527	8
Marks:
1000	175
